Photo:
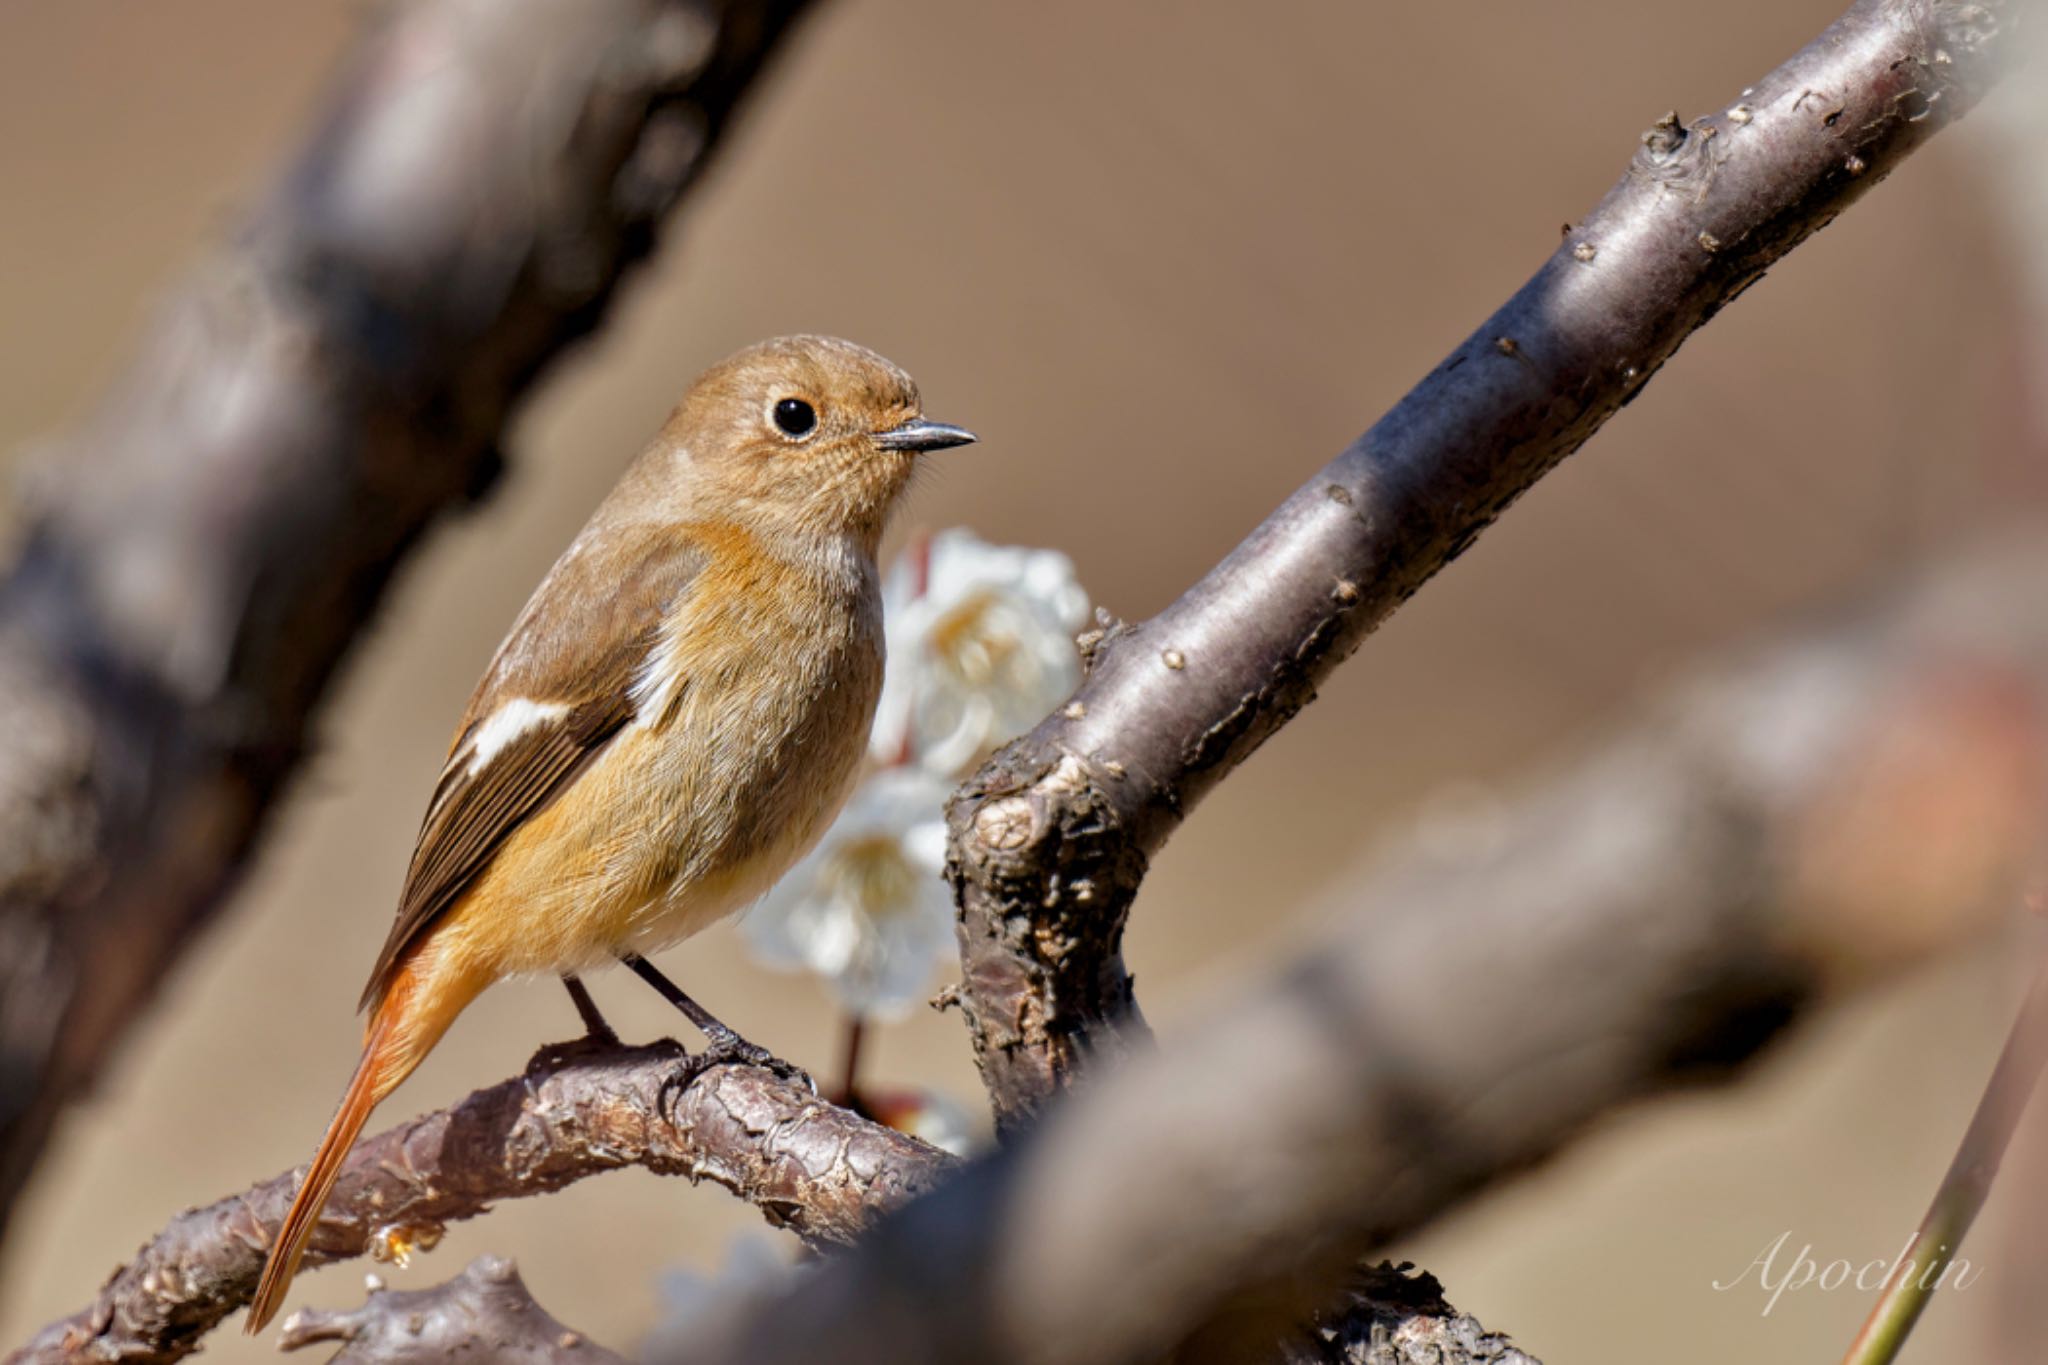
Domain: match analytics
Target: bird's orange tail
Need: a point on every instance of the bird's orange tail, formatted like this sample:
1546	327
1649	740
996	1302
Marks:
407	1023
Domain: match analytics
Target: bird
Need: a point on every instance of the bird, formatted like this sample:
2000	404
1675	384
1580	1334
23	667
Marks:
671	722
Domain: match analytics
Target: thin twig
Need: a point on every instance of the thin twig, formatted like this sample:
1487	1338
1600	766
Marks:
1926	1260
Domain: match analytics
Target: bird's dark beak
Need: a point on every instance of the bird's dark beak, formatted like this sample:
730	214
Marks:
920	435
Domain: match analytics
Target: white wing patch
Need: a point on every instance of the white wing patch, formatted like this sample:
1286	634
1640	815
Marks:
659	675
512	719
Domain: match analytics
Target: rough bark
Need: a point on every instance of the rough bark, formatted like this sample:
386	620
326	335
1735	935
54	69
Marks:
198	557
1388	1316
811	1167
1051	839
485	1312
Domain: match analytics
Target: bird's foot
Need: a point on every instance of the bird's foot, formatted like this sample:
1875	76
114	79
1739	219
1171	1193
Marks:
724	1047
722	1044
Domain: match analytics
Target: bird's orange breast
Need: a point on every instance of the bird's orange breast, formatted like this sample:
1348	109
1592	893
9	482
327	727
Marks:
755	711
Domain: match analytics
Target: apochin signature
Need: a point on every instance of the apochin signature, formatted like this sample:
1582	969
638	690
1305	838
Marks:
1802	1271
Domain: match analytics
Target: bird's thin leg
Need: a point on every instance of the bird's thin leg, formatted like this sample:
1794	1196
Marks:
594	1025
725	1045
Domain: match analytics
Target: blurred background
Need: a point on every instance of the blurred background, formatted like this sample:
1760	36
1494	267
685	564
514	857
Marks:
1166	260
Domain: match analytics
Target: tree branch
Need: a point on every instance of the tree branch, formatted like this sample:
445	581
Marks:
809	1166
1051	839
199	556
1389	1316
485	1311
1649	917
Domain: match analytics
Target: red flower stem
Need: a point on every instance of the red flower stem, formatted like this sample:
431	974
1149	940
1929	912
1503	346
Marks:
849	1061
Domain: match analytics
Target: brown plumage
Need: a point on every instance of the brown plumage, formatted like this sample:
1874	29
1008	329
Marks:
671	722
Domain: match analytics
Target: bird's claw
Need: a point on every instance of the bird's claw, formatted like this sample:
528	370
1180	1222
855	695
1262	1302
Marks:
729	1049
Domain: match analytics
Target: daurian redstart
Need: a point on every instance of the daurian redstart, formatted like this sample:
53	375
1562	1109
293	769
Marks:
672	721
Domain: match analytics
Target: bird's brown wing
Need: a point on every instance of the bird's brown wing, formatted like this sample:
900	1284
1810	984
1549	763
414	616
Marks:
572	658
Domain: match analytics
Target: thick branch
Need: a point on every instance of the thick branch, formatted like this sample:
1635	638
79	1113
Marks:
811	1167
199	556
1649	917
1052	838
1389	1317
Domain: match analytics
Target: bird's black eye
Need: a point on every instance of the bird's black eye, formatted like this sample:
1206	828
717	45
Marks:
795	417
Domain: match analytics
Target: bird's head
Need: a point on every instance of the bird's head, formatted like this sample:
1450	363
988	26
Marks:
806	433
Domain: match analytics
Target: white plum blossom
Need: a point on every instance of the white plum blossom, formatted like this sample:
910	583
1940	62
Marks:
866	910
980	645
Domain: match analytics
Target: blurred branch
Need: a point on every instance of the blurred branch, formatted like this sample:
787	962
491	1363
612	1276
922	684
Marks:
1390	1317
200	554
1051	839
815	1169
1839	805
485	1312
